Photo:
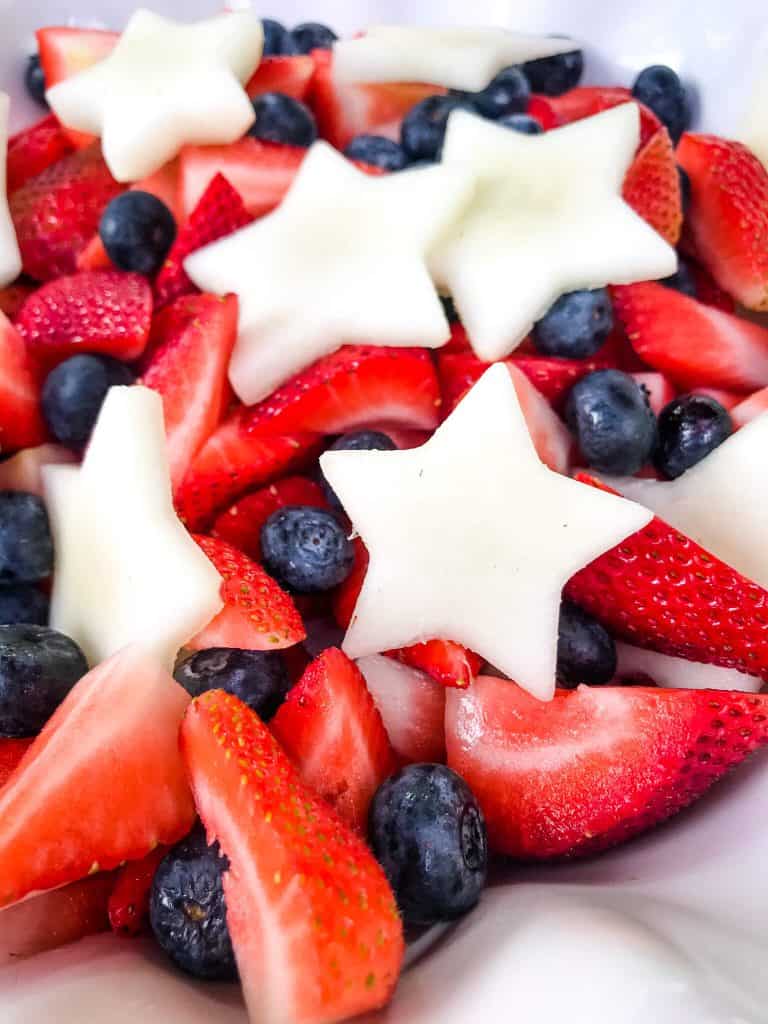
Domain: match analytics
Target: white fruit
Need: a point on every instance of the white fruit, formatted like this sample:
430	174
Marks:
10	258
677	673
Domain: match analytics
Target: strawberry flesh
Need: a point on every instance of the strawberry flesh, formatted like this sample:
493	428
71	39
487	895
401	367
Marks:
11	752
129	900
21	421
34	149
291	76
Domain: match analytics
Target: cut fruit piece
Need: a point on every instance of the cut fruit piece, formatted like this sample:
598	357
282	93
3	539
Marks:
596	765
658	388
637	663
448	663
750	408
652	187
346	594
129	899
11	752
301	885
292	76
587	100
34	149
728	399
21	421
97	788
13	298
23	471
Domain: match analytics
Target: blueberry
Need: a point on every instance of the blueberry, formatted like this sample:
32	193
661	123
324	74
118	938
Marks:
187	910
258	678
609	414
523	123
311	35
22	602
357	441
73	394
659	88
555	75
306	549
423	129
682	280
690	427
281	118
586	652
137	229
507	93
377	151
428	833
38	668
34	80
277	39
685	188
576	325
26	546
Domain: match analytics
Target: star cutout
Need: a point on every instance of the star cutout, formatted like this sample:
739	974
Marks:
458	58
165	85
341	260
471	538
126	570
10	258
547	218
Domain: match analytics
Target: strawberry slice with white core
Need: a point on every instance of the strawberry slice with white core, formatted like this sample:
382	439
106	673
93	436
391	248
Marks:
550	436
10	257
679	673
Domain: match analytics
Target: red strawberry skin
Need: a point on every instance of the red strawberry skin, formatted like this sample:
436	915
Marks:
445	661
299	880
331	729
21	422
587	100
595	766
652	187
11	752
129	900
34	149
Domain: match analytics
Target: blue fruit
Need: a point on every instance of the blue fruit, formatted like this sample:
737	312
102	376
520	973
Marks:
311	35
576	325
612	422
586	652
73	394
555	75
690	427
137	229
26	546
22	602
277	39
682	280
356	441
523	123
258	678
659	88
281	118
38	668
427	831
423	129
34	80
377	151
507	93
187	910
306	549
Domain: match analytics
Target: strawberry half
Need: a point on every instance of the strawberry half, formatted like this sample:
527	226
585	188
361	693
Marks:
21	422
652	187
257	615
129	900
587	100
331	728
292	76
596	765
34	149
301	884
60	810
11	752
191	343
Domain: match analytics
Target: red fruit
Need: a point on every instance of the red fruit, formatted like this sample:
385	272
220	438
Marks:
73	807
708	291
586	100
652	187
331	728
291	76
219	213
13	298
105	311
21	423
11	752
446	662
191	341
23	471
458	343
257	614
542	108
596	765
728	399
129	899
301	884
346	594
658	388
57	213
241	524
693	344
727	221
750	408
33	149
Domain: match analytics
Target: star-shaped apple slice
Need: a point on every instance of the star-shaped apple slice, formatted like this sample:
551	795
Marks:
341	260
471	538
10	258
126	570
165	85
547	218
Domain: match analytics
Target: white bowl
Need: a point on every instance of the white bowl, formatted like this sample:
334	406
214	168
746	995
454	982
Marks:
672	929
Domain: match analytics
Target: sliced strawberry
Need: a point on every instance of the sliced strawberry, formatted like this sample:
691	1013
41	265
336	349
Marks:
21	422
34	149
13	298
104	311
448	663
301	884
586	100
750	408
693	344
346	594
727	221
652	187
129	899
458	343
57	213
331	728
72	807
542	108
191	341
11	752
596	765
257	615
709	291
241	524
23	471
292	76
659	389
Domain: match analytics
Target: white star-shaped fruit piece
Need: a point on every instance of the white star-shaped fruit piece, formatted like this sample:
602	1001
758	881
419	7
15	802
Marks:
471	538
165	85
342	259
547	218
126	570
458	58
10	259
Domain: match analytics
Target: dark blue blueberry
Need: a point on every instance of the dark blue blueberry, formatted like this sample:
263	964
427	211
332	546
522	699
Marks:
34	80
682	280
659	88
277	39
555	75
377	151
281	118
26	546
614	427
507	93
137	229
356	441
685	188
73	394
22	602
258	678
187	910
306	549
423	129
38	668
311	35
576	325
428	833
690	427
586	652
523	123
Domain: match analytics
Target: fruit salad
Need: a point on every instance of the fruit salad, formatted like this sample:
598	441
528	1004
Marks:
378	428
